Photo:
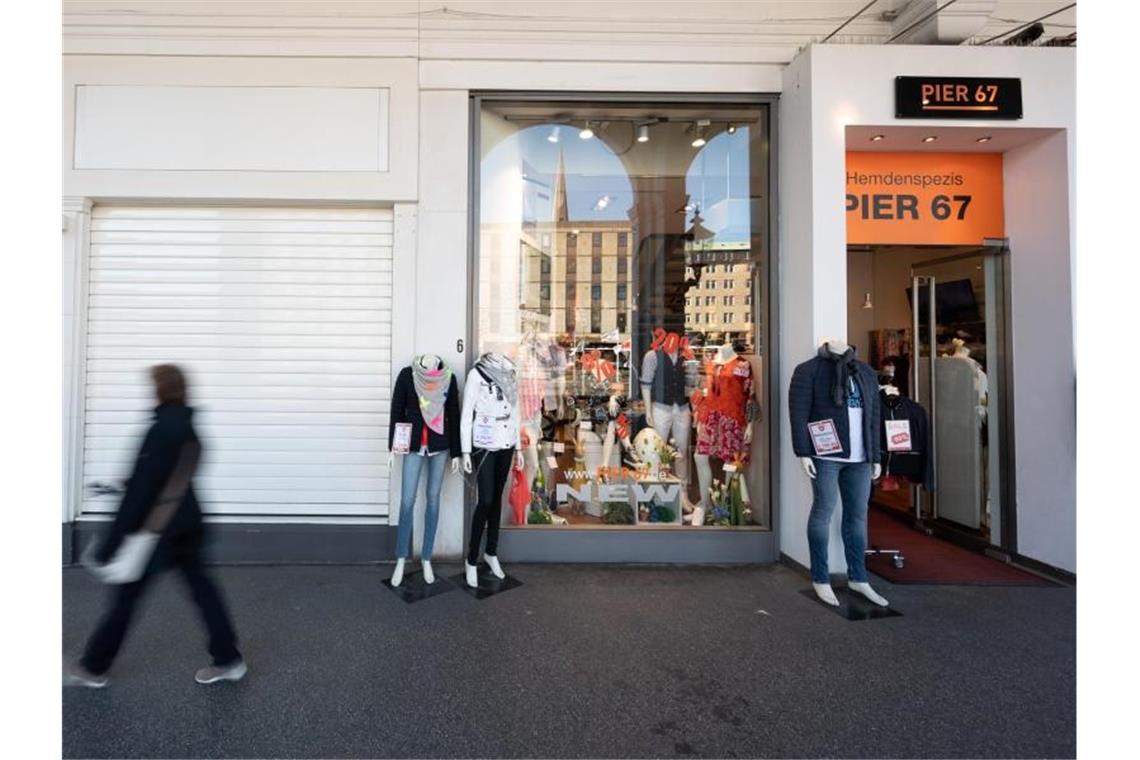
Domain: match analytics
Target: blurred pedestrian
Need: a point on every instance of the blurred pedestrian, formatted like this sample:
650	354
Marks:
159	508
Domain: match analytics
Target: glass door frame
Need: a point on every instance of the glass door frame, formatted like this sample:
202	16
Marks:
999	366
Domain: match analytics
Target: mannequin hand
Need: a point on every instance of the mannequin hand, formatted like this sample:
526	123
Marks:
809	466
876	471
520	463
748	433
649	416
454	466
391	459
467	463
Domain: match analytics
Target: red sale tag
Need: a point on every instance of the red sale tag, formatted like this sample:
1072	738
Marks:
898	435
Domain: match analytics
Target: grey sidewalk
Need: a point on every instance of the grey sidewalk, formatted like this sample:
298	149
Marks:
583	662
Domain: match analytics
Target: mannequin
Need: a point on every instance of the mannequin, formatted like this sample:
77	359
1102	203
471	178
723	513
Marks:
725	410
426	385
664	393
840	395
959	350
489	427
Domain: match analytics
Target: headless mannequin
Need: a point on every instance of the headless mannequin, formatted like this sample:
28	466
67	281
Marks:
676	426
426	361
492	561
725	354
823	590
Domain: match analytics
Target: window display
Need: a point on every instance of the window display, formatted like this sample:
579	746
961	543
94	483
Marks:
611	271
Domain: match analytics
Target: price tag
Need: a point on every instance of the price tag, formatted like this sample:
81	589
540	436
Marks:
898	435
552	463
402	440
825	438
559	447
730	468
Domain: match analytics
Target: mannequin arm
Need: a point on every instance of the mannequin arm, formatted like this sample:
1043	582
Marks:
647	397
391	459
608	446
454	466
809	466
748	433
467	463
876	471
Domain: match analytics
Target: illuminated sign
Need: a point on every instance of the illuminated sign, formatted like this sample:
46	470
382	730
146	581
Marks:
957	98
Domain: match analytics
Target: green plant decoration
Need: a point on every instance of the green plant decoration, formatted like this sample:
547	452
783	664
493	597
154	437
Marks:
539	517
617	513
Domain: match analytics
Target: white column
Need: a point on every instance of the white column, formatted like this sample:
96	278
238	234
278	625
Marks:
76	223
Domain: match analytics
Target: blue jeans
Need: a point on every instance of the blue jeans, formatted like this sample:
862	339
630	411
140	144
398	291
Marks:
851	483
409	486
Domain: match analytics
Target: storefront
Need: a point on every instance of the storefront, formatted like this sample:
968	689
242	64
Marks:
296	246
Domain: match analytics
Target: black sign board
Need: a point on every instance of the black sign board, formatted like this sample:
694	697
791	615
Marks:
957	98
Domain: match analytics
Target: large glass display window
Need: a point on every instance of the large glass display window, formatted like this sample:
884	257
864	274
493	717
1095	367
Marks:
622	263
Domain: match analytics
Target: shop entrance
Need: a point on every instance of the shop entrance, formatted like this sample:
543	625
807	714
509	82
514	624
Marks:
933	320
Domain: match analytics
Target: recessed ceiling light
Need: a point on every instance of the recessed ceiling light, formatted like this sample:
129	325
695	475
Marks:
643	133
985	139
930	138
587	132
876	138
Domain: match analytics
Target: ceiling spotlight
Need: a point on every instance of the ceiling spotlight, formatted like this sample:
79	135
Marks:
877	138
930	138
587	132
699	127
553	136
985	139
601	203
867	304
732	129
698	142
643	133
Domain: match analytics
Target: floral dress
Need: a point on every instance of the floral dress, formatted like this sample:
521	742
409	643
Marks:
722	414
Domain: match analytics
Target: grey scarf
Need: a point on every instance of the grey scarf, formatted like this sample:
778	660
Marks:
844	363
502	372
431	387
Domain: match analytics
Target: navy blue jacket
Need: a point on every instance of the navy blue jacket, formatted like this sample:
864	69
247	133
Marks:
156	461
809	400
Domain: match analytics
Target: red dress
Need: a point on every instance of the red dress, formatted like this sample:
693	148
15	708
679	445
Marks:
722	414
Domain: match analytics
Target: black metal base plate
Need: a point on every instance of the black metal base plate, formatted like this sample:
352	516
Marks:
414	589
489	585
853	606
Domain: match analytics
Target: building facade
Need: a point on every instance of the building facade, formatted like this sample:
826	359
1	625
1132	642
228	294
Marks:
294	201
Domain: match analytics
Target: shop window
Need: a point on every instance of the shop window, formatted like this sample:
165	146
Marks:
591	347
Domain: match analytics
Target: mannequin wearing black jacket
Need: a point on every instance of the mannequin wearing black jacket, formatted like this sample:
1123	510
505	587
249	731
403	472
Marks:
915	465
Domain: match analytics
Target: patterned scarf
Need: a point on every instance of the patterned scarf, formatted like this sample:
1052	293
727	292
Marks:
844	363
502	372
431	387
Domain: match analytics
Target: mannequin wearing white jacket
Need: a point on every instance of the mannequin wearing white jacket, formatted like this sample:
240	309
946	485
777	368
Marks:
489	429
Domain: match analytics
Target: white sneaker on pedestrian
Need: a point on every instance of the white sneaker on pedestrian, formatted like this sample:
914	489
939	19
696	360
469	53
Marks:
212	674
77	675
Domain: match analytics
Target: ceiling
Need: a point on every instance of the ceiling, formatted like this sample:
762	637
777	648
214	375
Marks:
950	139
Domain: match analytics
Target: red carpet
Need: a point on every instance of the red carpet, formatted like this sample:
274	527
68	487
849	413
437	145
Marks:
933	560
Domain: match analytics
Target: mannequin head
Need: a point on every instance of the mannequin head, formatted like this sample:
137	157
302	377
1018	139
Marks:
672	343
958	348
834	345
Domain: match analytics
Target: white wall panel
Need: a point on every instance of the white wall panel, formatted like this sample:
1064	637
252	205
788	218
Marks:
282	320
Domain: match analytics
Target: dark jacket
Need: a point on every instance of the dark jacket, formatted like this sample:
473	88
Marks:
915	465
164	443
809	400
406	408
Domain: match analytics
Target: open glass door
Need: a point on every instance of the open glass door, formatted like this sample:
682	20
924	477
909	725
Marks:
960	329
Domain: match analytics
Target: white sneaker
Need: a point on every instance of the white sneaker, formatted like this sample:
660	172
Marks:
496	568
472	576
212	674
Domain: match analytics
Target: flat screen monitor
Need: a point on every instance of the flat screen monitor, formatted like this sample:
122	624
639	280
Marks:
954	302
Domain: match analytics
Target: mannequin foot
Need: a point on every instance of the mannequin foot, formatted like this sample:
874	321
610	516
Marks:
866	590
472	577
429	576
398	573
496	568
825	594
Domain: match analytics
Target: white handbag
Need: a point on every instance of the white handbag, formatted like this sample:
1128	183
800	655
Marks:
136	549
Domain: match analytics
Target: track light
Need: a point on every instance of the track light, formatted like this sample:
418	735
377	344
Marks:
587	132
699	128
732	129
643	133
985	139
553	136
929	138
877	138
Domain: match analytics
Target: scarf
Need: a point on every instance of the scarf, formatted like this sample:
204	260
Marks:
502	372
431	386
843	365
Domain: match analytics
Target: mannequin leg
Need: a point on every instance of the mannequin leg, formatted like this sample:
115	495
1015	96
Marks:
825	492
682	424
493	468
662	420
409	486
530	453
704	478
436	467
855	490
503	461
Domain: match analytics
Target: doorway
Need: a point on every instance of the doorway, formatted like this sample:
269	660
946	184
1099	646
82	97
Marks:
933	321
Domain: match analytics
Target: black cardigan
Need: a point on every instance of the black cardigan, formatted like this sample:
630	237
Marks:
809	400
406	408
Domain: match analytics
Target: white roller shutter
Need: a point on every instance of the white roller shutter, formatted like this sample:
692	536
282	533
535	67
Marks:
282	319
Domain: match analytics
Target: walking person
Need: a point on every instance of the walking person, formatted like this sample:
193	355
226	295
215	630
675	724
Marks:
159	498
